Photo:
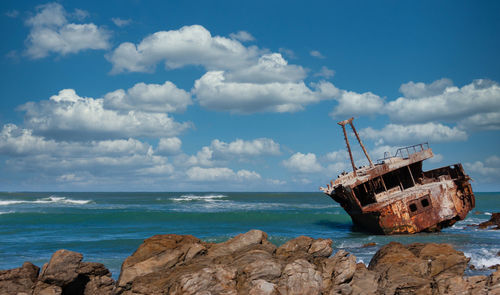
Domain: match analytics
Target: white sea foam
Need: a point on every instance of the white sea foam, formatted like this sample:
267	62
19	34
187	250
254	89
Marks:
49	200
6	212
484	258
487	213
189	198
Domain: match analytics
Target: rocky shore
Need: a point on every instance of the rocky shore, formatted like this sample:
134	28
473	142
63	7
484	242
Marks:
250	264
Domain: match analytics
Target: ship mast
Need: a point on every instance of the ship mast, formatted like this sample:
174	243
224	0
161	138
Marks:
349	121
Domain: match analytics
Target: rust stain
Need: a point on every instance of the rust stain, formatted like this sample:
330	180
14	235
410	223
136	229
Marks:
395	196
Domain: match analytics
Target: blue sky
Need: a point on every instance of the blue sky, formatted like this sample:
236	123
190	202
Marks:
232	96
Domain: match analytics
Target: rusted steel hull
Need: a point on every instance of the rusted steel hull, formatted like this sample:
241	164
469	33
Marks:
429	207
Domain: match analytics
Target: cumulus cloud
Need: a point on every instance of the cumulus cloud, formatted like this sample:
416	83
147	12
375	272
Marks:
242	36
214	92
487	170
190	45
357	104
269	68
29	151
473	106
325	73
149	98
304	163
242	148
121	22
316	53
169	145
405	134
68	115
51	32
219	174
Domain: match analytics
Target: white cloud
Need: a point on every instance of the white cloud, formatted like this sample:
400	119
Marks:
356	104
50	31
169	146
474	105
202	158
214	92
219	174
288	53
68	115
305	163
190	45
121	22
154	98
325	73
418	90
269	68
487	170
416	133
316	53
242	36
241	148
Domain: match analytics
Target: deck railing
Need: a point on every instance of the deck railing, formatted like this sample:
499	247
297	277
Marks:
406	151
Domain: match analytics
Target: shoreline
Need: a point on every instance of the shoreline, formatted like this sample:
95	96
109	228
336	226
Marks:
250	264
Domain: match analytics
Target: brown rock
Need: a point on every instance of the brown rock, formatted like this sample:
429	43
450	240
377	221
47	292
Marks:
300	277
238	243
158	253
338	269
18	280
262	287
62	268
494	220
217	279
363	281
444	260
399	270
294	248
321	248
371	244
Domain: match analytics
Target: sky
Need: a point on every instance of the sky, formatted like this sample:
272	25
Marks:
136	95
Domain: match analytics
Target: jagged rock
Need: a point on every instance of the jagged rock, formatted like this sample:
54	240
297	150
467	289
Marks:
295	248
209	280
158	253
18	280
338	269
321	248
364	281
42	288
399	270
262	287
300	277
494	220
62	268
238	243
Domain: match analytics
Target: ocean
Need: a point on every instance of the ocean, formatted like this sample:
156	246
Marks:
108	227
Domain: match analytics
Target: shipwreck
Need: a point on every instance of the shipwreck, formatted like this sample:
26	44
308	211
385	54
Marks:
395	196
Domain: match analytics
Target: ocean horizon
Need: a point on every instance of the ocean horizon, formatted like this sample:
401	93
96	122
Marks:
107	227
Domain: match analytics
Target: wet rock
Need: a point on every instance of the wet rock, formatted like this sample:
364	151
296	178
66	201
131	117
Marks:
494	221
18	280
371	244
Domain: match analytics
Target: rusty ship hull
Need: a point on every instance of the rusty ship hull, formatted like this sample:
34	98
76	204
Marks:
395	196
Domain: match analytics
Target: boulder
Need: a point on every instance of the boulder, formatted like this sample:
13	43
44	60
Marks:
238	243
159	252
338	269
494	221
300	277
18	280
62	268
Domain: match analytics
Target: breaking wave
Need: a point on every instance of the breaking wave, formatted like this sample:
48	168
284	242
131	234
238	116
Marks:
49	200
190	198
484	258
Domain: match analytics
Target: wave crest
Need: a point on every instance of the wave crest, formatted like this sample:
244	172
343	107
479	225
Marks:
50	200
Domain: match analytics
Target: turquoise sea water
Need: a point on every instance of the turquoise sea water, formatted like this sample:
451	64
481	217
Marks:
108	227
